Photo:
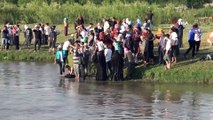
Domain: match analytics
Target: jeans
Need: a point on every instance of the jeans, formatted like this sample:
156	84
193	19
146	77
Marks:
5	43
61	67
161	55
191	47
37	41
197	46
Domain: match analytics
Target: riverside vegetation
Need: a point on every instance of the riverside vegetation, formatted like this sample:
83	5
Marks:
53	11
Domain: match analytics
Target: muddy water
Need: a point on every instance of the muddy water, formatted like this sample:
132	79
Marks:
32	91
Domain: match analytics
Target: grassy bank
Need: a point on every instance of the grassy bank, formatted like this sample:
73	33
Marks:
185	71
26	55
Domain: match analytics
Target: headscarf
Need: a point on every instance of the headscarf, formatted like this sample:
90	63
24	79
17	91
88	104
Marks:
139	23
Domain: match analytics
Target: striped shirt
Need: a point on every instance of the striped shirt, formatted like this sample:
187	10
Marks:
76	57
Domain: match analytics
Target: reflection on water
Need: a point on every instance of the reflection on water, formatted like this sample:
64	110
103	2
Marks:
31	91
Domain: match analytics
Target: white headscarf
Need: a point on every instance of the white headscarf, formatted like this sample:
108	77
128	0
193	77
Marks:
26	27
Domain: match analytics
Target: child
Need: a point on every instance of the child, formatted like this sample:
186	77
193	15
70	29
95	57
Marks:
167	52
108	56
59	59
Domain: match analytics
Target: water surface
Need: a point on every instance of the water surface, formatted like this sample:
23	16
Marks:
34	91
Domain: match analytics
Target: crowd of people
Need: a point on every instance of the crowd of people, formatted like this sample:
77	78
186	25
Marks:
110	45
43	34
10	36
113	44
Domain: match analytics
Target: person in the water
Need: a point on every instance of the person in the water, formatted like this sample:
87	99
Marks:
59	59
69	72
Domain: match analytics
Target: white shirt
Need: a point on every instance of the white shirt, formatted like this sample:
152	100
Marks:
198	34
100	45
168	45
106	26
47	30
108	54
174	38
83	33
18	31
66	45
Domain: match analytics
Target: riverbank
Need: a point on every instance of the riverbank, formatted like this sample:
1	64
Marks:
185	71
26	55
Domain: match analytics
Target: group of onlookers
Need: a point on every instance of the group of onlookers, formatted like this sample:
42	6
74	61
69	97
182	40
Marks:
110	45
10	36
113	44
41	33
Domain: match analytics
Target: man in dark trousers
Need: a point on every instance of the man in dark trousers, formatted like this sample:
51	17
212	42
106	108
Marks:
37	33
191	40
28	35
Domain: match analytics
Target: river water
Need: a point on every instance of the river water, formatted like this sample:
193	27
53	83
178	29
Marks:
32	91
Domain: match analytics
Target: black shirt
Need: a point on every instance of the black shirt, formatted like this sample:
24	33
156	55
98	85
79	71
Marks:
5	33
37	33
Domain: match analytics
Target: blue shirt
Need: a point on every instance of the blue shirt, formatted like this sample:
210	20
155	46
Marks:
58	56
191	35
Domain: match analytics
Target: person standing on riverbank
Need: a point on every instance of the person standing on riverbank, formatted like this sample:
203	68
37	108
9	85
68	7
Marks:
47	33
66	26
38	35
108	56
150	20
175	47
198	34
52	38
5	42
181	27
150	46
101	74
10	37
168	48
28	34
191	40
17	31
160	40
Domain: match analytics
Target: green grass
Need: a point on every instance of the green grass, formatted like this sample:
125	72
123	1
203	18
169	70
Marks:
26	55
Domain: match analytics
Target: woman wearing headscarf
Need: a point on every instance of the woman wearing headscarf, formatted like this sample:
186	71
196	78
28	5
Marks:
101	74
117	60
66	25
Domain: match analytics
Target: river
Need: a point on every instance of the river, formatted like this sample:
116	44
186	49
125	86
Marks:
34	91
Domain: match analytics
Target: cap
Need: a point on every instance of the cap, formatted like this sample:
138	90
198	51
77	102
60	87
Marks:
59	46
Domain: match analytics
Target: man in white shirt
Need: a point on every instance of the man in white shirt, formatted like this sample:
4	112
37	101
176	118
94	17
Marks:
47	33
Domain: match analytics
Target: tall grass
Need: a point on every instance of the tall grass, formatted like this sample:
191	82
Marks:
37	11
